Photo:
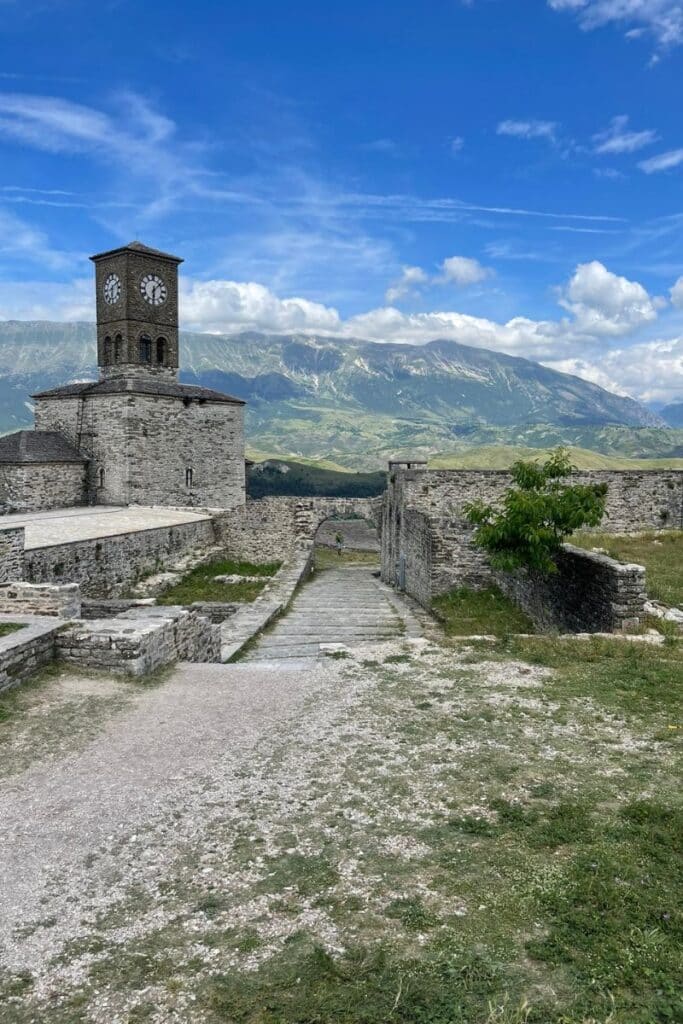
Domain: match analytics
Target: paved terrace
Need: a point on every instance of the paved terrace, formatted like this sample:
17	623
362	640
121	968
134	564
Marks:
67	525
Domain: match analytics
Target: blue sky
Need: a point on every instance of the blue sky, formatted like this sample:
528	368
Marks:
507	173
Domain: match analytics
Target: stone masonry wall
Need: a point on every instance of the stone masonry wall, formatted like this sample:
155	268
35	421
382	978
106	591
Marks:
637	500
11	553
267	529
145	444
41	599
23	653
589	593
108	566
38	486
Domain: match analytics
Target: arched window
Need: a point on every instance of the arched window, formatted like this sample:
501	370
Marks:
100	477
145	348
161	351
118	348
188	477
107	350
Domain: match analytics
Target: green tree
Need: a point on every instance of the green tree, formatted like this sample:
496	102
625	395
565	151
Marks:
537	513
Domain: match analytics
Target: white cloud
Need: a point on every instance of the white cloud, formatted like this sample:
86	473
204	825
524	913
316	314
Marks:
411	278
649	371
663	162
19	240
677	293
662	19
456	144
603	303
619	139
463	271
528	129
225	306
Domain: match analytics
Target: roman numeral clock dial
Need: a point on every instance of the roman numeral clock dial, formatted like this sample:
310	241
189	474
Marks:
153	289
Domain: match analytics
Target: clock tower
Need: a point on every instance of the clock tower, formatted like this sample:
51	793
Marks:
137	313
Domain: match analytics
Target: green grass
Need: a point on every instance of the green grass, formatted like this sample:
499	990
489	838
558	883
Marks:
660	553
328	558
199	585
501	456
465	612
9	627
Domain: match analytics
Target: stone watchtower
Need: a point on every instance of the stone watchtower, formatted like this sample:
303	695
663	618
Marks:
147	438
137	312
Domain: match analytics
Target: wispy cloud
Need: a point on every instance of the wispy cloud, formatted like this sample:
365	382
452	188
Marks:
663	162
528	129
618	138
659	19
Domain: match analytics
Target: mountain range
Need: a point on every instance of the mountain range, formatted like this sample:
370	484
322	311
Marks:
354	401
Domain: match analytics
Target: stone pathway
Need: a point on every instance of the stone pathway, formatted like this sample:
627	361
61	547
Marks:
338	606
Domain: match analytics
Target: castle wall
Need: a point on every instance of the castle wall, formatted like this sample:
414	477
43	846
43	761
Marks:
637	500
108	566
268	529
35	486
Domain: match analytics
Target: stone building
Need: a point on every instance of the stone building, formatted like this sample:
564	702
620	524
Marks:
137	434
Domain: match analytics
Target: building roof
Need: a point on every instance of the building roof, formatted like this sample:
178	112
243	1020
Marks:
139	386
31	446
138	247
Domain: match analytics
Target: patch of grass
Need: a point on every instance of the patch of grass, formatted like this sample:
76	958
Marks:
466	612
364	986
329	558
412	914
615	922
660	553
623	675
9	627
200	585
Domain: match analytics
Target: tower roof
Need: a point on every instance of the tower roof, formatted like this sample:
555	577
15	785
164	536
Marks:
31	446
141	249
139	386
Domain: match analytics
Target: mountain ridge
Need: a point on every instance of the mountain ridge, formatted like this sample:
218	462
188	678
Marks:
314	396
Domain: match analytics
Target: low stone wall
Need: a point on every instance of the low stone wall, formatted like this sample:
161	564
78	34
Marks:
11	553
39	486
25	652
108	566
267	529
251	619
64	600
590	593
140	641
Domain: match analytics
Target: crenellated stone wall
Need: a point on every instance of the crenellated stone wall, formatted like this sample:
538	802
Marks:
11	553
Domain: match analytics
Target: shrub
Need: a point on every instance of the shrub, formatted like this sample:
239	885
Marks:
538	512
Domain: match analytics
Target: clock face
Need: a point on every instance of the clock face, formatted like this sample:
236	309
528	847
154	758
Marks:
153	289
112	289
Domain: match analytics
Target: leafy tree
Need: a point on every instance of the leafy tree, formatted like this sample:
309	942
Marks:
538	512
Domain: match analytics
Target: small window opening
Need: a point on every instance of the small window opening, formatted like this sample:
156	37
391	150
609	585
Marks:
145	349
161	351
118	348
100	477
188	477
107	350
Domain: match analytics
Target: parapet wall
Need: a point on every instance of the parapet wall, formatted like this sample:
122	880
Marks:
589	593
106	567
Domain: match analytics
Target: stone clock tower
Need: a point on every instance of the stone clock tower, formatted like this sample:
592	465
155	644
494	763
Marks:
137	312
145	438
